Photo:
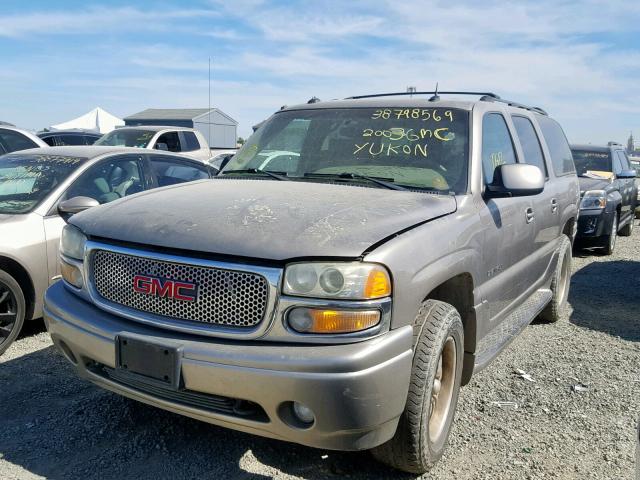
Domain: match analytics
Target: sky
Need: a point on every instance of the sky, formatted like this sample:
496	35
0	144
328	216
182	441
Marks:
579	60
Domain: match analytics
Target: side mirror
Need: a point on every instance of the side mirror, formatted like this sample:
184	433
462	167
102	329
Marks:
76	205
627	174
162	146
516	180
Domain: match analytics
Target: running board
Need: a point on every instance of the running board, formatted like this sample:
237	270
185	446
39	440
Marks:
501	336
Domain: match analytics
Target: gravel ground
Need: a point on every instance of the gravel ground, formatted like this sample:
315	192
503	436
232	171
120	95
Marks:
56	426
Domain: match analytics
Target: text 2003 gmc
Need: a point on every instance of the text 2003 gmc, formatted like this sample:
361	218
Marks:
354	263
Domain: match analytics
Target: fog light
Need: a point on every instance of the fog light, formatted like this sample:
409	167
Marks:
303	413
71	274
313	320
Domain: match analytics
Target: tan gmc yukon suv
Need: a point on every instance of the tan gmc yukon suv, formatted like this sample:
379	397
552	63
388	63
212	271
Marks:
340	295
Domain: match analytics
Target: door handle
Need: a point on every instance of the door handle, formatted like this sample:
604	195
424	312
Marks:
554	205
528	213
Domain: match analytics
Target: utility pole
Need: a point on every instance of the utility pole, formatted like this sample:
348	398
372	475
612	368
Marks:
209	111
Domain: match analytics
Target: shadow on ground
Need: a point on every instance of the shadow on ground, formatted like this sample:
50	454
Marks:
605	296
58	426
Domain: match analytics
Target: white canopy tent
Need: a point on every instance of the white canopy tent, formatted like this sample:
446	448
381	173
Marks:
97	119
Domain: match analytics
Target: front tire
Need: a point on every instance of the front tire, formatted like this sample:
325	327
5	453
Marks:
627	230
424	426
610	246
12	310
559	284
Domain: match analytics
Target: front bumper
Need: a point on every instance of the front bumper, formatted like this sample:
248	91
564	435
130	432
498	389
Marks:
357	391
594	227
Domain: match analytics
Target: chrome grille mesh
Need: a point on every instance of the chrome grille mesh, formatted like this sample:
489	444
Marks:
225	297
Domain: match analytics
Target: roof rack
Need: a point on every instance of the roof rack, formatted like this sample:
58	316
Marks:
611	144
484	97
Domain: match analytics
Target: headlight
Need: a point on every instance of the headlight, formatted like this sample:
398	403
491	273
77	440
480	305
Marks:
593	199
355	281
72	242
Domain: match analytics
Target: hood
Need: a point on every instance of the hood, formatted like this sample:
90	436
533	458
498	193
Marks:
593	184
265	219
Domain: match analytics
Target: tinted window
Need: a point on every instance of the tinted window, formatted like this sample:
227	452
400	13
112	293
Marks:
191	142
530	143
169	141
617	163
497	147
49	141
556	141
13	141
109	180
624	160
26	180
169	171
421	148
90	139
70	140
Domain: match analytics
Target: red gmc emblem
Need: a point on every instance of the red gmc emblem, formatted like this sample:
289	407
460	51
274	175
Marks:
164	287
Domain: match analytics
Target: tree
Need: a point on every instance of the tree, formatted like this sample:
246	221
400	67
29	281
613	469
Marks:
241	141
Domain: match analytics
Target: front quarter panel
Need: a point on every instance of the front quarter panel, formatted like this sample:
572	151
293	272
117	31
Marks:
427	256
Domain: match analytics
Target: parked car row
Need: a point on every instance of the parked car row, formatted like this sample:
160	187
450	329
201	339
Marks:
350	268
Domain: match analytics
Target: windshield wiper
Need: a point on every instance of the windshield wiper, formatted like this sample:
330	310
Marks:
384	182
276	175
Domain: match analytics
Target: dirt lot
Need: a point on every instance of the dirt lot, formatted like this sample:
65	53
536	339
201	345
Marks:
56	426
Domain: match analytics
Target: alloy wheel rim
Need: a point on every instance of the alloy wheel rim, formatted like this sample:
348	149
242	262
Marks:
8	312
442	390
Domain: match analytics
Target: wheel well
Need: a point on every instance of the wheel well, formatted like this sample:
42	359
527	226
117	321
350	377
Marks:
21	276
458	292
568	228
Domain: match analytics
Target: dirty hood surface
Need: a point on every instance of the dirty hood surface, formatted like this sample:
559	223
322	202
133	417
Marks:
265	219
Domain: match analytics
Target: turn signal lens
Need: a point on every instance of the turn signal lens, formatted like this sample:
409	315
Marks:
311	320
71	274
378	284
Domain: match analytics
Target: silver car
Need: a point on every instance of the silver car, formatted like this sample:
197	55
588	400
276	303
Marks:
33	183
179	140
13	139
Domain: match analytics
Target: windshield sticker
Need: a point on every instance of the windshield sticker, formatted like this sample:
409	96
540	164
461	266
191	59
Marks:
423	114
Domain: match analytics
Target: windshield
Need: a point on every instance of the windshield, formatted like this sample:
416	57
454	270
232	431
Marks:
419	148
589	161
126	138
26	180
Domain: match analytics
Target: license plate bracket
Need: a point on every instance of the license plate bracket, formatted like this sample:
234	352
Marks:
152	362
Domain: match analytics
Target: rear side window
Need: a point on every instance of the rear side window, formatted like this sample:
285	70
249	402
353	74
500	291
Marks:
13	141
530	143
49	141
561	157
497	146
170	171
191	142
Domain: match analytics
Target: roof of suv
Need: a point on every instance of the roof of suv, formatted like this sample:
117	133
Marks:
595	148
79	151
153	128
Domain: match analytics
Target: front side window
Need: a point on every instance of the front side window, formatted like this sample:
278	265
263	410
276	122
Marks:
170	171
109	180
624	161
530	143
592	162
417	148
559	149
169	142
497	145
14	141
618	165
130	137
26	180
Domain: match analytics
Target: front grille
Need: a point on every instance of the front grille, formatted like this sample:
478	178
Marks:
224	297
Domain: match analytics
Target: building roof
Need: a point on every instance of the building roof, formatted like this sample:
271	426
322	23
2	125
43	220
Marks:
175	114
